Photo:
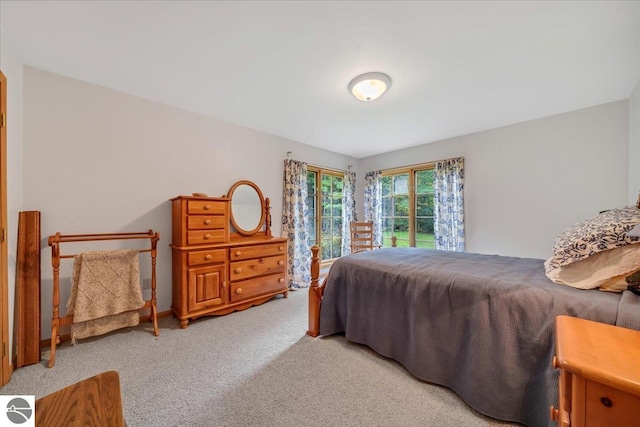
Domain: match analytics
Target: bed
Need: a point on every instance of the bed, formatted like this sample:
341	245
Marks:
481	325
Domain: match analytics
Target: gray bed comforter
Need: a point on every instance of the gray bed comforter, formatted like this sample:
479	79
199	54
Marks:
481	325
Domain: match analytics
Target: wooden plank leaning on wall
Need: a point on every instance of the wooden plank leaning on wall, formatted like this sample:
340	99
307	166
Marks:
27	326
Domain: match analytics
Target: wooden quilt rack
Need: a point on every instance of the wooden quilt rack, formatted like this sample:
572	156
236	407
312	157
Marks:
57	239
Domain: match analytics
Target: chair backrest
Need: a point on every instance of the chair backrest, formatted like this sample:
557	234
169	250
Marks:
361	236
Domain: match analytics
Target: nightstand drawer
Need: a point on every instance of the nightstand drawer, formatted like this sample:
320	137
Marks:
206	207
257	251
257	267
246	289
205	222
206	257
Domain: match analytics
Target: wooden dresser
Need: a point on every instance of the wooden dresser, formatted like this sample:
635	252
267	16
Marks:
219	267
600	374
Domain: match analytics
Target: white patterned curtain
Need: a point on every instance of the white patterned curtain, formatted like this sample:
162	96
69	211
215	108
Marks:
295	225
449	204
373	203
349	213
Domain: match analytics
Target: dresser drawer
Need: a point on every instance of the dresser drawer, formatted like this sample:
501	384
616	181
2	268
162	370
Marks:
204	237
206	207
246	289
257	267
257	251
206	257
205	222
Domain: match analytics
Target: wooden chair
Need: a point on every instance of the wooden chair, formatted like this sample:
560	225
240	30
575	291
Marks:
362	237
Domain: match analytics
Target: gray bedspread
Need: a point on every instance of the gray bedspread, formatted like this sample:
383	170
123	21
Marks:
481	325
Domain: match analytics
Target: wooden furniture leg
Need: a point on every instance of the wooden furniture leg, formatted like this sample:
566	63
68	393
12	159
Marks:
315	294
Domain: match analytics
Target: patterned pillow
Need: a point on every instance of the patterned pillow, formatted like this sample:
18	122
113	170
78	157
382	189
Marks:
599	233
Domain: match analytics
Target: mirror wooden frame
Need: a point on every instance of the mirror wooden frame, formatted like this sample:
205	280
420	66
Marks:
263	214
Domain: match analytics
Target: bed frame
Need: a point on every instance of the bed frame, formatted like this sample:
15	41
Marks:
316	290
315	293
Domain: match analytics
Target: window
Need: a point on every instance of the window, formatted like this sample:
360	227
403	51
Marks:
407	206
324	199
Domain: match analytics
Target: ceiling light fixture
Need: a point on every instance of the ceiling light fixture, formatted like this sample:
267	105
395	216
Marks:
369	86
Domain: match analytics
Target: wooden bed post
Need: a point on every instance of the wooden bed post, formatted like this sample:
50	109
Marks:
315	294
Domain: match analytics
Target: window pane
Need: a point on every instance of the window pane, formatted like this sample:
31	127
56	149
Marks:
311	181
401	206
326	228
336	187
311	204
424	181
386	206
386	185
424	228
312	231
336	208
326	185
336	227
424	233
401	184
387	224
401	225
326	249
424	205
336	249
326	206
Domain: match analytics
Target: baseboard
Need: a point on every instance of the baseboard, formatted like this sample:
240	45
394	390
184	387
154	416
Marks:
66	337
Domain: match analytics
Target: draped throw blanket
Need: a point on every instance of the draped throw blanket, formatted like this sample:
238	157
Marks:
105	292
449	204
295	225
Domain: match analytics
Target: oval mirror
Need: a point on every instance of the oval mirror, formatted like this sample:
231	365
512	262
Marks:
247	207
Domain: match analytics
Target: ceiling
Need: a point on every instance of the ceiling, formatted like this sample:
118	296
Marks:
284	67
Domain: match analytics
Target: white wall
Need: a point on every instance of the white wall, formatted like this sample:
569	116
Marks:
98	160
634	145
526	182
11	66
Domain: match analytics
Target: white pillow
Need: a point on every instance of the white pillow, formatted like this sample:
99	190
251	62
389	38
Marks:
606	270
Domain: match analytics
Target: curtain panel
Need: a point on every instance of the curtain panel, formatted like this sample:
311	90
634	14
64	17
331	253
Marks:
295	225
349	213
373	203
449	204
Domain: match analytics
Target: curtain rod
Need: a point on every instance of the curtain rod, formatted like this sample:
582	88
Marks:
349	167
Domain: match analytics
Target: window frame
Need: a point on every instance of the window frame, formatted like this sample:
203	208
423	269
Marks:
411	171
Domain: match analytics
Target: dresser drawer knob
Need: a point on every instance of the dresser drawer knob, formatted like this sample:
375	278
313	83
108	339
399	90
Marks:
239	291
238	270
208	256
281	262
207	236
606	402
238	253
207	207
281	280
280	248
224	284
207	221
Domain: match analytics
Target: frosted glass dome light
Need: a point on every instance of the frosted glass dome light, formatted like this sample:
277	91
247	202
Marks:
369	86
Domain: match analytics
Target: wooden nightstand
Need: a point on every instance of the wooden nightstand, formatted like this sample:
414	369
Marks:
600	374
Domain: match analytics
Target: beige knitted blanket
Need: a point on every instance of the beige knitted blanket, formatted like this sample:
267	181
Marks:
105	292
